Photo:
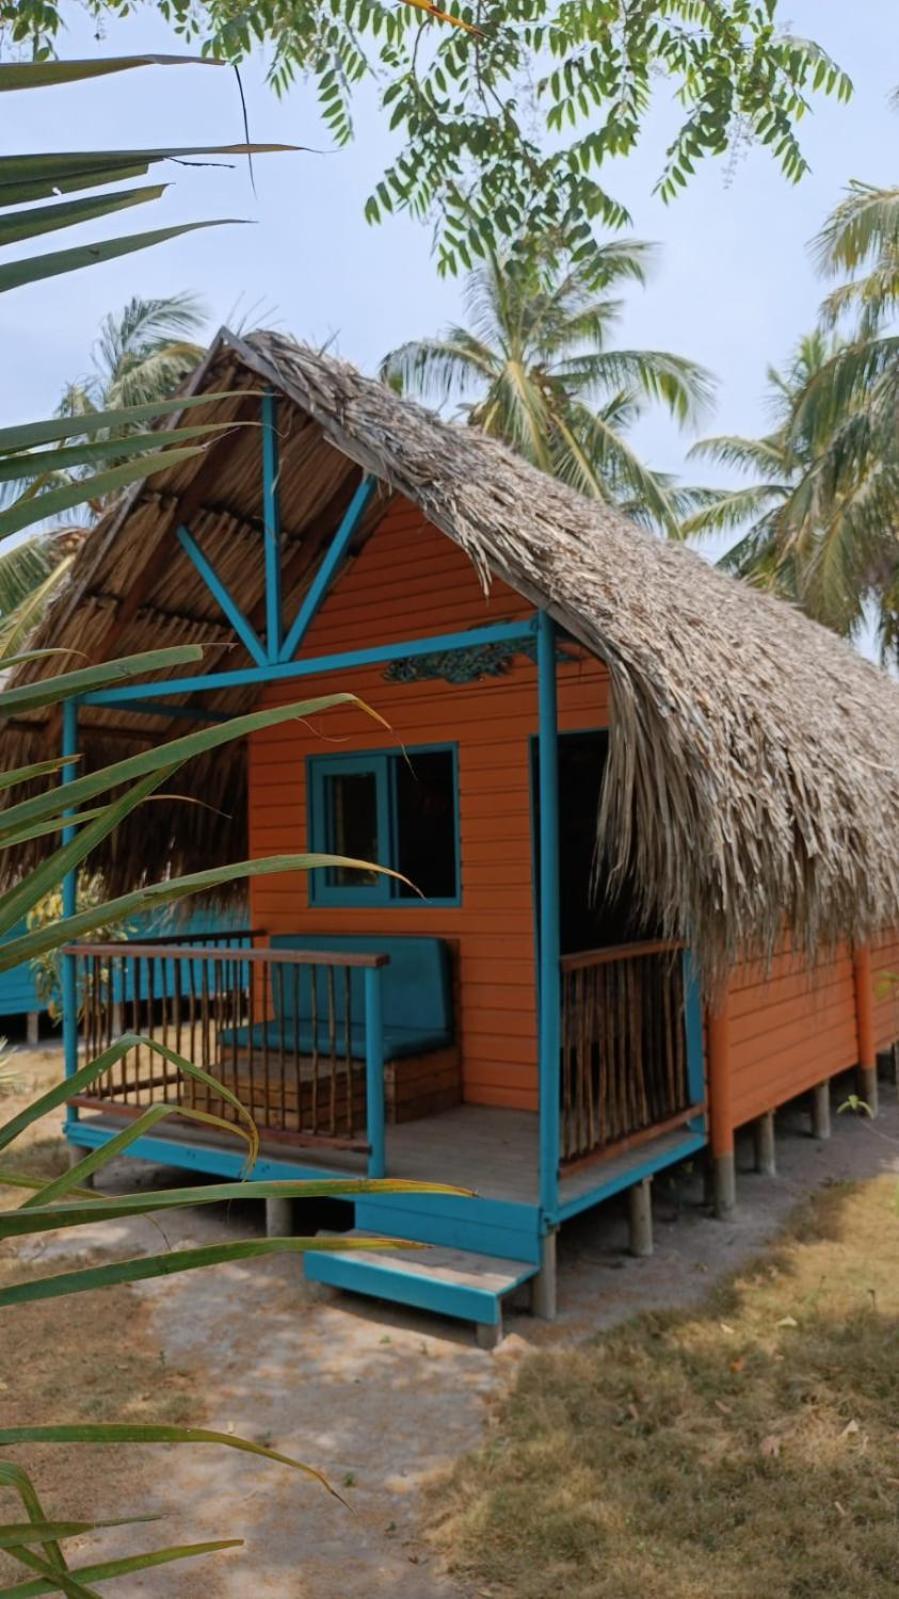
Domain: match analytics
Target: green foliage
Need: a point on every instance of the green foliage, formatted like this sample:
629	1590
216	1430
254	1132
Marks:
818	527
506	131
46	968
536	368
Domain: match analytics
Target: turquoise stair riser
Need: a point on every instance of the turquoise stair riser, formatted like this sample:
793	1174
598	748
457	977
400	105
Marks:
486	1225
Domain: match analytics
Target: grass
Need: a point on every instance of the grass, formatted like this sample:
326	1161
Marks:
90	1358
750	1449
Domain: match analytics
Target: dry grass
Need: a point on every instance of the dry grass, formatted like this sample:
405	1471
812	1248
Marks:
89	1358
752	1449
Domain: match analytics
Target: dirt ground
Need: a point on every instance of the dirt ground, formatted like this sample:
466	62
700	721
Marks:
380	1400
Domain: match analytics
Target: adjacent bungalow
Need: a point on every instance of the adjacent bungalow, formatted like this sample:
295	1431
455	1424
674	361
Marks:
643	823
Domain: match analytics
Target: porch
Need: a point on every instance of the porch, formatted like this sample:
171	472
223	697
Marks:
298	1035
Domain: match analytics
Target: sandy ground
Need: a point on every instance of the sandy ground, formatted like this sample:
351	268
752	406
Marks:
381	1399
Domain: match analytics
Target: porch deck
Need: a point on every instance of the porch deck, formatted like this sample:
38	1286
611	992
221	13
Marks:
494	1152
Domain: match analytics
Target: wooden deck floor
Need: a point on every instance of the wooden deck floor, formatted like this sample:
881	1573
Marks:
493	1151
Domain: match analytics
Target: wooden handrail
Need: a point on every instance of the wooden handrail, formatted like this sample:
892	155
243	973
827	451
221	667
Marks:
237	952
618	952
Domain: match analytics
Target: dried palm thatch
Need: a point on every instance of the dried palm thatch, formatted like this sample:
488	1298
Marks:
754	763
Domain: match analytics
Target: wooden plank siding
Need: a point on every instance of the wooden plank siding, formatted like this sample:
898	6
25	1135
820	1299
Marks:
790	1027
885	976
410	581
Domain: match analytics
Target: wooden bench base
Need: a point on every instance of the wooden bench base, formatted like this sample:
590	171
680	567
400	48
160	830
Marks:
300	1095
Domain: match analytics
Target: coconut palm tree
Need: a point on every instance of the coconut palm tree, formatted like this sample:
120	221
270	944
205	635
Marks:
537	369
141	354
821	524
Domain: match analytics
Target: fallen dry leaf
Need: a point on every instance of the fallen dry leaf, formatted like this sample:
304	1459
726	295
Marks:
788	1321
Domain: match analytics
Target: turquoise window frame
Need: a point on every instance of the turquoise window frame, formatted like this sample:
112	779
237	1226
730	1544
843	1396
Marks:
382	764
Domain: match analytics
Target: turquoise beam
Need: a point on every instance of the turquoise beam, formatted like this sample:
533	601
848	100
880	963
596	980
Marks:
374	1073
271	510
331	561
693	1031
313	666
223	596
69	906
550	1036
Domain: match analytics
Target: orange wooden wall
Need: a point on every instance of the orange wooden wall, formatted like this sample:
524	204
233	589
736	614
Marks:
789	1028
885	974
410	581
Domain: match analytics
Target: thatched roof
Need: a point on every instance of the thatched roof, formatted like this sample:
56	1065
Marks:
754	769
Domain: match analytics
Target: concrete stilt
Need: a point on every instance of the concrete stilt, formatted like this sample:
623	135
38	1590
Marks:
118	1019
821	1111
639	1200
724	1182
279	1218
488	1333
765	1155
74	1157
543	1286
33	1027
868	1088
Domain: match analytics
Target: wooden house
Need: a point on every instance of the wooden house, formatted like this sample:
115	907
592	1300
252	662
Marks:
642	821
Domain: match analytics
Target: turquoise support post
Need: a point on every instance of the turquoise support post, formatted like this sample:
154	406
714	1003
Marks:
333	556
223	595
550	1041
69	905
374	1072
693	1031
271	511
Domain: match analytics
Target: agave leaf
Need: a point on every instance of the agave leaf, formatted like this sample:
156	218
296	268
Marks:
47	74
26	774
29	509
83	681
29	435
16	1477
15	1533
49	1193
173	753
15	950
78	1213
62	1580
143	1267
61	460
44	177
29	224
22	835
108	1569
127	1432
51	871
86	1075
18	1179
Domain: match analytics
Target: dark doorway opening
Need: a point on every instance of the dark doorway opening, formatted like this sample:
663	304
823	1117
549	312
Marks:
591	917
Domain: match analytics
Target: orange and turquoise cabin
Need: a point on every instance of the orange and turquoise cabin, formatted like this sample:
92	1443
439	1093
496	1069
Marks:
569	854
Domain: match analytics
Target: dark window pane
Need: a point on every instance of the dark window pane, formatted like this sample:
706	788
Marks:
426	824
352	801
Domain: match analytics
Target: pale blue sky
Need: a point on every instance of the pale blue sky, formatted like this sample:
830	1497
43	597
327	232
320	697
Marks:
733	289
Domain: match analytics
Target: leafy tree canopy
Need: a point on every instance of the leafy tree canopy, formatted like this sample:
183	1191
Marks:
508	119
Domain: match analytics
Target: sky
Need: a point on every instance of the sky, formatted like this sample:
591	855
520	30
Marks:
734	286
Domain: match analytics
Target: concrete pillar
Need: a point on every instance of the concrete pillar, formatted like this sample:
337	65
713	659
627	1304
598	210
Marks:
821	1110
118	1018
489	1333
33	1027
765	1154
864	1017
543	1286
279	1218
721	1124
639	1200
74	1157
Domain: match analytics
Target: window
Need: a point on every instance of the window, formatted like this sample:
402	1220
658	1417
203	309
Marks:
399	809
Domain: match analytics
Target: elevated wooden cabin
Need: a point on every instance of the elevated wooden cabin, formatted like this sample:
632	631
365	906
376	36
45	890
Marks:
643	823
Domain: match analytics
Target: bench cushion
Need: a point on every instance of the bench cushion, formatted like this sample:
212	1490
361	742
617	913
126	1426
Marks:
416	996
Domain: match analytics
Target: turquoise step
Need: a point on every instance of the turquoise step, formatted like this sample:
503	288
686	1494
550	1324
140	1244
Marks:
451	1282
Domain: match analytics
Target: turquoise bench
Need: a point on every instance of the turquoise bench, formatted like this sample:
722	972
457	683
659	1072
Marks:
416	998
